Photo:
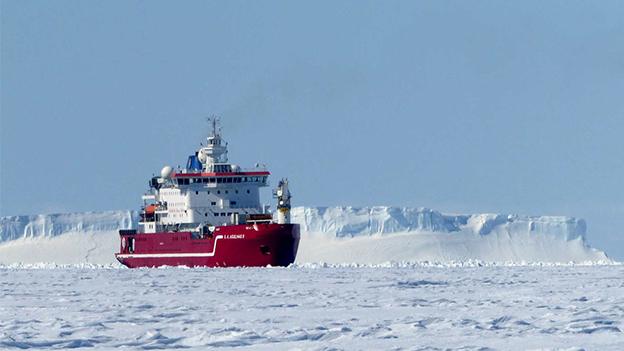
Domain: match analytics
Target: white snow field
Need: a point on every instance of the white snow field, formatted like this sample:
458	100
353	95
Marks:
314	307
367	235
411	279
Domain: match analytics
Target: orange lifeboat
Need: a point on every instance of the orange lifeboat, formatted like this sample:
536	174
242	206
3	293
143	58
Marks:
150	209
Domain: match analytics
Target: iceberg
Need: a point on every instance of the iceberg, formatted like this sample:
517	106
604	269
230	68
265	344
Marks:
334	235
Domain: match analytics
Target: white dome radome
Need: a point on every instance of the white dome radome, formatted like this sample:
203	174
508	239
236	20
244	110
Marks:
201	155
166	171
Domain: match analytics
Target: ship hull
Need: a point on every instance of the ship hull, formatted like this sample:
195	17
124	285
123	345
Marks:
246	245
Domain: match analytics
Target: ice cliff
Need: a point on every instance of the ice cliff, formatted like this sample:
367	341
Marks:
329	234
364	221
50	225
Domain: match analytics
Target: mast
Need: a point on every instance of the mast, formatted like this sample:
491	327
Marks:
214	120
283	202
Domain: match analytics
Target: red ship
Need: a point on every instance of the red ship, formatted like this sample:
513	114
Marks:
209	214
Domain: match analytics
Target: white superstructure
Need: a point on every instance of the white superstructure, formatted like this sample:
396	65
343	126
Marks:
210	191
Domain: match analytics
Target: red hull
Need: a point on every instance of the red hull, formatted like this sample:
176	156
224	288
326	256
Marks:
243	245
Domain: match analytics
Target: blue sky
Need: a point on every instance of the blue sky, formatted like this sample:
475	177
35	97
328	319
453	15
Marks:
482	106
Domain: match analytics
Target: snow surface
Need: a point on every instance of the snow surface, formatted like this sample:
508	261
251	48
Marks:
314	307
367	235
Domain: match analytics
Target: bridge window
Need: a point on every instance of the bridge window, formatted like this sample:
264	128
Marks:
226	192
248	191
213	203
222	168
233	203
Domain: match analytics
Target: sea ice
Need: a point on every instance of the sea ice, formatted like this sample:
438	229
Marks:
314	306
